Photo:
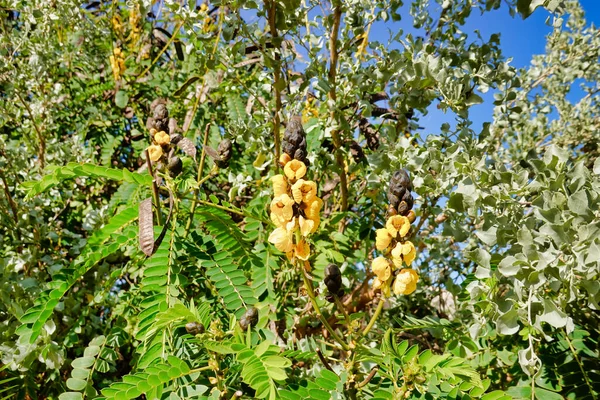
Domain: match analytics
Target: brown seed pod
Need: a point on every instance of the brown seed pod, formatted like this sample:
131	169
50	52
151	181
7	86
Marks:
249	319
175	166
224	152
333	281
194	328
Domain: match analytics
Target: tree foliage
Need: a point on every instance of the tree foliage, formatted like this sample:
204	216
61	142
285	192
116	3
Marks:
201	200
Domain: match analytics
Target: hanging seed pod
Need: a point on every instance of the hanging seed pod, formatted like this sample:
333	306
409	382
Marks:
194	328
370	133
249	319
176	138
333	281
357	152
294	139
175	166
399	194
224	152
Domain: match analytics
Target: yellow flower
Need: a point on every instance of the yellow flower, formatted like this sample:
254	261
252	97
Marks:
304	191
381	268
313	208
398	224
302	250
383	239
404	252
282	239
294	169
279	185
281	210
284	158
406	281
306	225
162	138
377	283
155	152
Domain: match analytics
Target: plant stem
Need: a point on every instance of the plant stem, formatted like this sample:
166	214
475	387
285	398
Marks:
374	317
42	148
198	179
271	12
311	295
342	309
220	207
11	202
335	134
585	376
154	189
160	53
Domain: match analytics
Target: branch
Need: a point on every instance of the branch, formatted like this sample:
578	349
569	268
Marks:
337	142
271	11
42	149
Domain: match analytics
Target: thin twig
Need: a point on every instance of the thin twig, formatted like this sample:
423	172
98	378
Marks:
311	296
323	359
11	202
369	377
335	134
272	11
198	179
374	317
154	189
160	53
42	149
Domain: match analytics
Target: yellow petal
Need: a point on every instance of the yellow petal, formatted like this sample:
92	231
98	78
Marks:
398	224
282	239
409	253
281	209
383	239
284	159
377	283
302	250
304	191
312	209
162	138
291	226
294	169
316	222
155	152
306	225
279	185
381	268
406	281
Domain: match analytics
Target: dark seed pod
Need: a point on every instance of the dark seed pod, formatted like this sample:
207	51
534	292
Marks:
161	112
399	192
357	152
194	328
333	281
176	138
294	139
224	151
370	134
249	319
175	166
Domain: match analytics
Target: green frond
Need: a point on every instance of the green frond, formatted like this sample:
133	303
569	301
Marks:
59	174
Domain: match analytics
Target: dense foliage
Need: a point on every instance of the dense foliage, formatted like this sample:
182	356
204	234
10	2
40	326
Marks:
234	200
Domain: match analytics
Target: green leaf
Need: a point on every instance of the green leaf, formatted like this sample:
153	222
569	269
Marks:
121	99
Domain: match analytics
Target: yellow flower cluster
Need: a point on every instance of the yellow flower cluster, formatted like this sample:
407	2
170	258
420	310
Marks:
392	240
135	19
117	63
161	139
310	110
295	210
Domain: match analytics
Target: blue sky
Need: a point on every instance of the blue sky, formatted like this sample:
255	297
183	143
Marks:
519	39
